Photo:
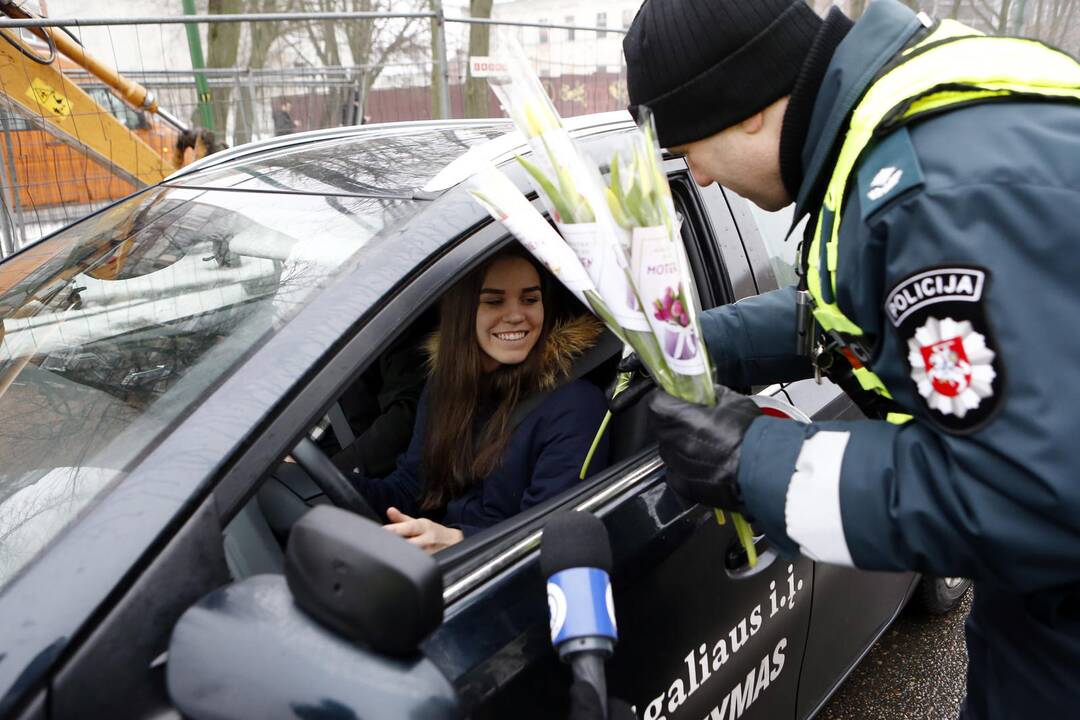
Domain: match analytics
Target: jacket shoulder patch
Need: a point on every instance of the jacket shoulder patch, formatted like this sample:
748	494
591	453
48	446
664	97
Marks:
889	170
953	359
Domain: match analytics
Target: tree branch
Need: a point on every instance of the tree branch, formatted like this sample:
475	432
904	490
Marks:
975	8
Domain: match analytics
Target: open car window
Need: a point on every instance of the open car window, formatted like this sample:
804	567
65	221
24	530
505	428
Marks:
633	457
627	433
282	500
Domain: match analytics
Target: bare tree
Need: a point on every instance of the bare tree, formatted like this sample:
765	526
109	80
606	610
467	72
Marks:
261	39
1052	21
438	79
371	44
264	34
993	14
476	89
223	44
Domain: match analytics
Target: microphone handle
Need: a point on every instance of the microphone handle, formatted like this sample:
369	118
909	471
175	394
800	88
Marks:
589	667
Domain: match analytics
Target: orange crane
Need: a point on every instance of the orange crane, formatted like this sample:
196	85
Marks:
65	131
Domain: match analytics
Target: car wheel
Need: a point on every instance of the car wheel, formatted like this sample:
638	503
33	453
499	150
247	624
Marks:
939	595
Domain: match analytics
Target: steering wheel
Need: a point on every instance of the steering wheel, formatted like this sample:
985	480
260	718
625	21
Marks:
330	480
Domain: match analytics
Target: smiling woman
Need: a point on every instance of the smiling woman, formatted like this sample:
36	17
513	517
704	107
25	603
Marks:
510	316
499	428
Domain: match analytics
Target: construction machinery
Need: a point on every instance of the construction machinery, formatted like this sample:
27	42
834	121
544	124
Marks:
75	131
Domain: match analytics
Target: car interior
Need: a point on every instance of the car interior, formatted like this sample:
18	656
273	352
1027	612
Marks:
256	537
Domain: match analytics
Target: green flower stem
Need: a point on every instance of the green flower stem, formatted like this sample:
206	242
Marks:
694	388
562	205
600	309
581	212
642	205
616	176
648	349
595	444
621	384
746	537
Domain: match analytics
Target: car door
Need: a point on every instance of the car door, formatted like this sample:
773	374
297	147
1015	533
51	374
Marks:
770	595
701	633
851	608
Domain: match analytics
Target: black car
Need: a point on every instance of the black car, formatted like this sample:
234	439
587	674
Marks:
160	358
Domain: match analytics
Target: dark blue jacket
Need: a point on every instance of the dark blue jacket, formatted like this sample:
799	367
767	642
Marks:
984	482
542	458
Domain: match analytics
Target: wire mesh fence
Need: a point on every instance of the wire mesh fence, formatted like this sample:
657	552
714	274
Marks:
69	143
246	78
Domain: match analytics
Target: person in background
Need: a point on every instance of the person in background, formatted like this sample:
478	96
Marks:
941	171
350	110
499	427
283	121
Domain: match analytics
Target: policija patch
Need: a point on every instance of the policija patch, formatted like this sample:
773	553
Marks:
956	370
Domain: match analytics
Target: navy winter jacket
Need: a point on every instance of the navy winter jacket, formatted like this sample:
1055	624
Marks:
968	265
542	458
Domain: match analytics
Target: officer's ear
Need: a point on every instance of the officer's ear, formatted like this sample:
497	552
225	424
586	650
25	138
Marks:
753	124
769	118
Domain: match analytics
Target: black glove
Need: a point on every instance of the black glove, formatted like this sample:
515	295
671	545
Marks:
585	704
641	382
700	445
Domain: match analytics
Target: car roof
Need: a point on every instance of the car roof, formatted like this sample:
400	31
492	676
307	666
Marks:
418	159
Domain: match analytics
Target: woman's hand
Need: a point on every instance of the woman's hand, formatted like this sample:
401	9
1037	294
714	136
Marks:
427	535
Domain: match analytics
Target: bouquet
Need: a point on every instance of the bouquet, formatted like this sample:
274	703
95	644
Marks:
505	203
624	234
639	198
573	192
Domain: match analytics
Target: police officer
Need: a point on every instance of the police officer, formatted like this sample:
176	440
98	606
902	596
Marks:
940	286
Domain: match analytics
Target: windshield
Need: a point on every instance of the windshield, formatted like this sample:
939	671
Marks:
113	328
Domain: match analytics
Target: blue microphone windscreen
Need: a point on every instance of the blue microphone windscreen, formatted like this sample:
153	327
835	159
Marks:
574	540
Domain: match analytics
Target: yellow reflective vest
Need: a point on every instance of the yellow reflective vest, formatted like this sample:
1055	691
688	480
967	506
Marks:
951	67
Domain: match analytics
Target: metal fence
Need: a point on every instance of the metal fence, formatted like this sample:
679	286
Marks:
251	77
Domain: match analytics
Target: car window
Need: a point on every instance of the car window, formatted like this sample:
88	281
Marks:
375	405
782	249
133	120
381	404
709	275
125	321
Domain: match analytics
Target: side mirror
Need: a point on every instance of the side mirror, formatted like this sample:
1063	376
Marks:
338	638
362	582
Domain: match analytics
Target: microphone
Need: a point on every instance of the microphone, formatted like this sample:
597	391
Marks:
575	557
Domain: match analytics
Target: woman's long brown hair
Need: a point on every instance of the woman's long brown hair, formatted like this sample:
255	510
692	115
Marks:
457	453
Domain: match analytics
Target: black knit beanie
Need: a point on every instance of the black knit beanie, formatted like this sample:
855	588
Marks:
703	65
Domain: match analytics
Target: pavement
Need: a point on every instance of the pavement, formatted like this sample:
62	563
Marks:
915	671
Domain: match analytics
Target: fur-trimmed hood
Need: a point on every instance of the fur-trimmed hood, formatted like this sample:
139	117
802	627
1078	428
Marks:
566	341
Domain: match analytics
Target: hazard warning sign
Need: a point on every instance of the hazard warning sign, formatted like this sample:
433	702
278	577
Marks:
48	98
